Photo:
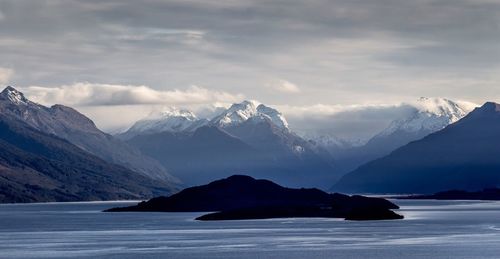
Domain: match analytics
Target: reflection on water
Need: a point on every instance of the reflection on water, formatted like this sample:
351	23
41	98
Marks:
437	229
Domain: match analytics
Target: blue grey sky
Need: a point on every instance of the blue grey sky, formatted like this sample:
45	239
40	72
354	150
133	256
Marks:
106	56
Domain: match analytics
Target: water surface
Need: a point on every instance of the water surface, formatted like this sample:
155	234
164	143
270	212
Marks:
437	229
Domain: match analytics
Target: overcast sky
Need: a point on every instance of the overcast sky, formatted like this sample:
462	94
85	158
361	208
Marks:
105	57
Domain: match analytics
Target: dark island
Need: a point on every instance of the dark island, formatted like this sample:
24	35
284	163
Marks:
242	197
492	194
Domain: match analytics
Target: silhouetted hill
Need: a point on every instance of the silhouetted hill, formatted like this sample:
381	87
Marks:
243	197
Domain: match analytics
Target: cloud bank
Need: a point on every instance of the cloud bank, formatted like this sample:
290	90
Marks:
358	122
89	94
117	107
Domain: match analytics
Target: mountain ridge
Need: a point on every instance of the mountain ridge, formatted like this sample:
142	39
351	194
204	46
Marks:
426	115
66	122
461	156
267	148
40	167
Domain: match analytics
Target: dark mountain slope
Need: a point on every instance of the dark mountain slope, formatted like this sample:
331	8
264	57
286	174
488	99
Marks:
210	153
69	124
464	155
35	167
286	153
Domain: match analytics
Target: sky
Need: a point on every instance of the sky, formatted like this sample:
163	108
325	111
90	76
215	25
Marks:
117	61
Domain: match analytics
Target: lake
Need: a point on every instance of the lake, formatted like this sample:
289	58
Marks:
431	229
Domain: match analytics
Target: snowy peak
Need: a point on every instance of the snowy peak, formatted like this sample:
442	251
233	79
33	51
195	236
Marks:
274	115
237	113
430	115
250	110
170	120
174	113
444	107
14	96
178	120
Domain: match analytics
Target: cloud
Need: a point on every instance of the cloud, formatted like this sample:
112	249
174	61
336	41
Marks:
5	75
284	86
351	122
337	51
90	94
118	118
359	122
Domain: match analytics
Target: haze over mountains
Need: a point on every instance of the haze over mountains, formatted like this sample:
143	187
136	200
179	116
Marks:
56	153
427	115
247	138
462	156
255	139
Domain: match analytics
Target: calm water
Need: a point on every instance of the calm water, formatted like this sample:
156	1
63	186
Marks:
431	229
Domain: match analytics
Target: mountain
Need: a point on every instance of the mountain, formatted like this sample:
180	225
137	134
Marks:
242	112
73	126
426	116
196	157
172	120
243	197
462	156
40	167
431	115
247	138
266	130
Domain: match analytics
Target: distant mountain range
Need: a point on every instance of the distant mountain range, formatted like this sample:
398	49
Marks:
426	116
462	156
255	139
247	138
57	154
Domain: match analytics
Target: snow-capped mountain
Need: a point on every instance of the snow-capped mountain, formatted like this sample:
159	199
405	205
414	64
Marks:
463	156
171	120
262	127
430	115
247	137
181	120
57	154
425	116
67	123
14	96
239	113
